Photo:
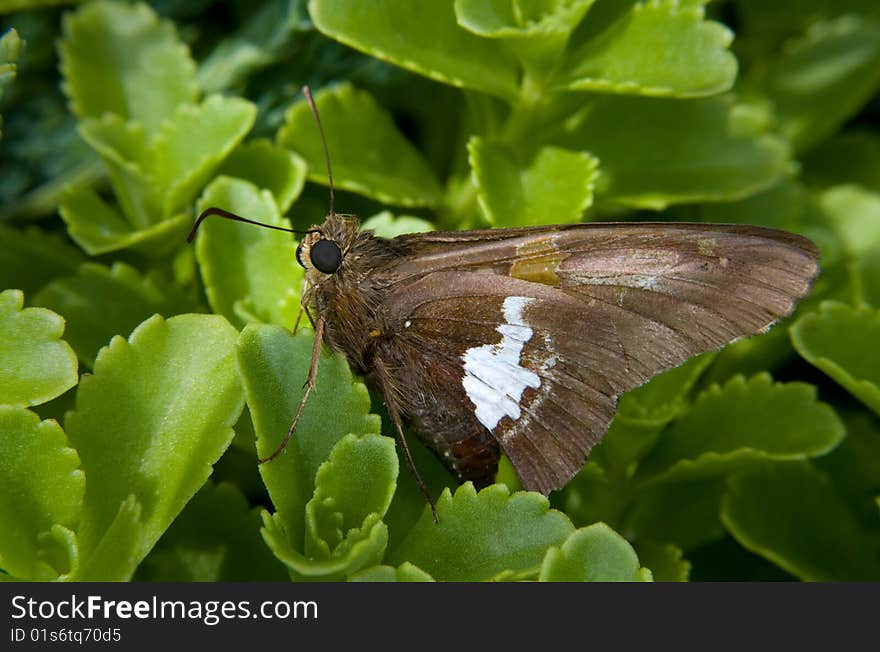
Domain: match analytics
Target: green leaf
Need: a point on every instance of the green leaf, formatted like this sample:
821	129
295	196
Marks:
662	398
824	78
247	271
368	153
274	365
854	215
193	142
406	572
556	182
99	228
31	257
356	482
483	535
120	58
655	152
841	341
365	551
344	529
593	554
115	555
536	33
385	225
597	493
424	38
854	466
663	47
666	561
644	411
740	421
269	167
150	422
682	511
262	40
791	514
42	487
126	153
36	365
100	302
10	45
216	538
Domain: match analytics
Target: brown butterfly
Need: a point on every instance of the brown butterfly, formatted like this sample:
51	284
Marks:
521	340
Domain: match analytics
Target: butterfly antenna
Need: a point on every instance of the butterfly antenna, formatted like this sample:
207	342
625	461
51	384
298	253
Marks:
219	212
308	93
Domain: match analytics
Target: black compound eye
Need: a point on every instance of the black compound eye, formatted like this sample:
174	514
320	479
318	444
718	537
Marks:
325	256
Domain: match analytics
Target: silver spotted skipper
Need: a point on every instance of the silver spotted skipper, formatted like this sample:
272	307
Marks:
521	340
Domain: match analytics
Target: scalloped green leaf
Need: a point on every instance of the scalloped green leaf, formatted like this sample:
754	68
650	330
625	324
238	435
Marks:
356	482
36	365
99	228
791	514
655	152
31	257
120	58
247	271
406	572
841	341
593	554
274	365
536	32
823	78
481	535
42	487
424	38
216	538
115	555
192	144
151	421
555	182
740	421
853	214
100	302
667	562
369	154
386	225
363	552
344	528
125	150
270	167
694	59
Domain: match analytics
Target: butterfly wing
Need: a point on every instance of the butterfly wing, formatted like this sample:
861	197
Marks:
545	328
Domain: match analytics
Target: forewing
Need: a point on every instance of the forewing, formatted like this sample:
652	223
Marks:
548	327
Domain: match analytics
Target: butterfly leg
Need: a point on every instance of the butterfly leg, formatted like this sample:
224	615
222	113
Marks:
303	307
309	385
391	403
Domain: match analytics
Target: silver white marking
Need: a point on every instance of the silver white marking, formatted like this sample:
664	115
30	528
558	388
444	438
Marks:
642	281
494	379
407	323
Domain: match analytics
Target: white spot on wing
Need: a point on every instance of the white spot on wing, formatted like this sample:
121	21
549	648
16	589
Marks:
494	379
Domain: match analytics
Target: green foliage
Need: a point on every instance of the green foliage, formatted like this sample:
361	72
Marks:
462	114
